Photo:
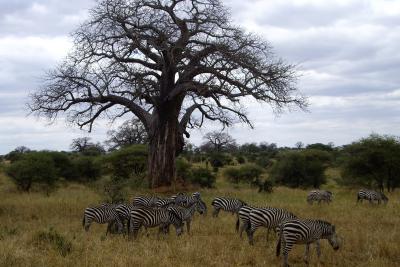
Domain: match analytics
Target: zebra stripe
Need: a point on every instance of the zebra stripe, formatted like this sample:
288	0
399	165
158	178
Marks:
267	217
185	200
371	196
146	201
298	231
319	195
148	217
105	213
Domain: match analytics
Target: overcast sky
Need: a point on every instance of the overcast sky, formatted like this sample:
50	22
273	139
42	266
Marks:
347	53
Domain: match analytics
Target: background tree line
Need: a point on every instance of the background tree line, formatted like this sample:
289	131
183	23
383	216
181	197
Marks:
121	163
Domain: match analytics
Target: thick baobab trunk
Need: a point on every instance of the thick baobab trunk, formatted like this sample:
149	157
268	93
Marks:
165	143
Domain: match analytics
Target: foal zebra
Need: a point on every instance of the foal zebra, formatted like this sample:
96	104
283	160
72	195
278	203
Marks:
298	231
148	217
371	196
105	213
268	217
319	195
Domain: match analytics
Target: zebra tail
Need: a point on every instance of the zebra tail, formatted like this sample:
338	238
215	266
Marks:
83	221
237	224
278	245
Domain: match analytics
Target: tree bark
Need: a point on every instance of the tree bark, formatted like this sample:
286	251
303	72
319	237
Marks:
165	143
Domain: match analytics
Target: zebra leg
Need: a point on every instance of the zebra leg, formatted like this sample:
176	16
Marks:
215	212
242	227
188	226
250	235
318	248
286	249
268	233
307	254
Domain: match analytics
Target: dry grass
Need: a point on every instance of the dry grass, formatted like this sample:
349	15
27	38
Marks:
371	233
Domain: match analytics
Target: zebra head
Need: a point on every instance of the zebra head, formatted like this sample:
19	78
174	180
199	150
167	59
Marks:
179	198
334	239
384	198
201	207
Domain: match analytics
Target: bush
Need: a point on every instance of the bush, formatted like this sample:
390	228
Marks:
203	177
299	169
218	160
128	162
53	239
240	159
33	168
87	168
115	190
247	173
183	171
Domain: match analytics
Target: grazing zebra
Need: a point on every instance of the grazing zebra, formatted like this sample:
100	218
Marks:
298	231
319	195
105	213
267	217
227	204
146	201
187	213
124	211
371	196
148	217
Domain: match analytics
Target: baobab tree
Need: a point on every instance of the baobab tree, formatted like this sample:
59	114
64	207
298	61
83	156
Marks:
173	64
218	141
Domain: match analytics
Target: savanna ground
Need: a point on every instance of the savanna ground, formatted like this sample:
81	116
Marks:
36	230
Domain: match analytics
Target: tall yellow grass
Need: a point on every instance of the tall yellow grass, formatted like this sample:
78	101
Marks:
371	233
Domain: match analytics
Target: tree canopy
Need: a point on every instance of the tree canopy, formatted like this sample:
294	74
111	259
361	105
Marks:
170	63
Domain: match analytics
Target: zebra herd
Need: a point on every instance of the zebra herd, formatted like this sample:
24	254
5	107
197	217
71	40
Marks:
291	230
364	194
153	211
147	211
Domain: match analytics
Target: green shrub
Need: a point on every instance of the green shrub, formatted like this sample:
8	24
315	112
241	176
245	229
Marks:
128	161
247	173
218	160
87	168
202	177
240	159
299	169
53	239
33	168
183	169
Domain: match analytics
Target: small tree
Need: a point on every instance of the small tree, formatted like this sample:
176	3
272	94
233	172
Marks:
373	161
33	168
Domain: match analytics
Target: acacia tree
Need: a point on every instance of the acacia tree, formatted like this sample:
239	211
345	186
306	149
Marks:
172	64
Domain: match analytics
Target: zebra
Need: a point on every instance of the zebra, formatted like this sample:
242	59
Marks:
187	213
319	195
146	201
149	217
232	205
243	216
105	213
371	196
307	231
185	200
268	217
